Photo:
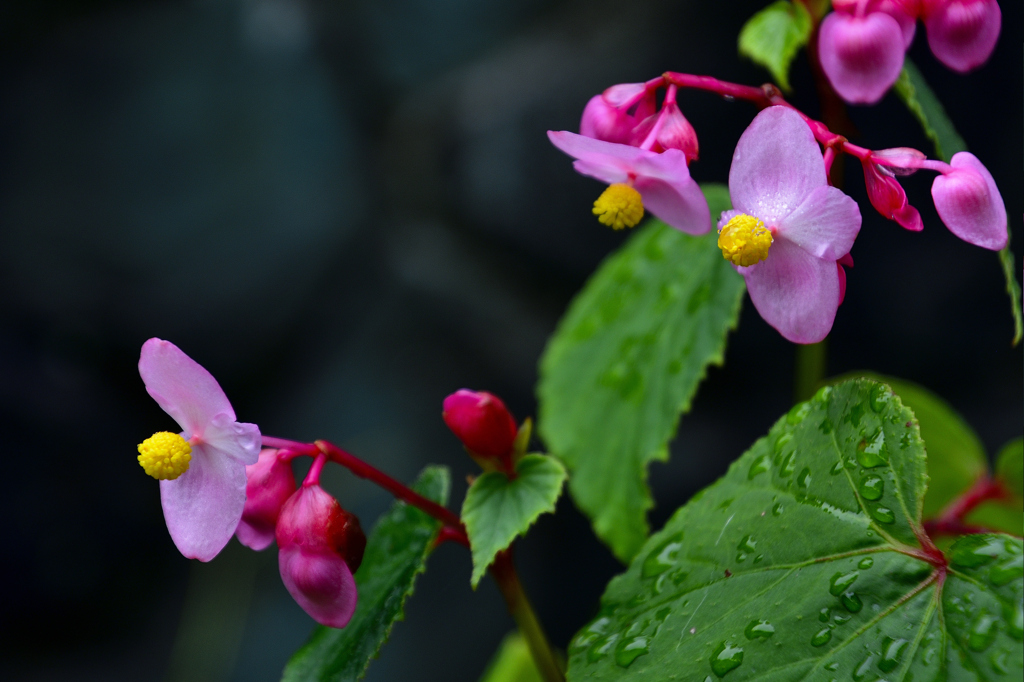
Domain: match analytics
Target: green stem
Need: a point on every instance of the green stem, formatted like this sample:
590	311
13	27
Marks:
811	360
504	573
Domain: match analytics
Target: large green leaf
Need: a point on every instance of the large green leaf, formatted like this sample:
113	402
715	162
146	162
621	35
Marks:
513	662
498	508
396	552
626	361
803	563
956	456
929	112
773	36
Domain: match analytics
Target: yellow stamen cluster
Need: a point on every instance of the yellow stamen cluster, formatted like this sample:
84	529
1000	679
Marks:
619	206
165	455
744	240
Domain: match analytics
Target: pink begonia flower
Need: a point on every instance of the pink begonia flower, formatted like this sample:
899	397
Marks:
885	192
269	484
778	185
321	546
969	203
607	116
862	56
905	12
662	180
202	505
962	33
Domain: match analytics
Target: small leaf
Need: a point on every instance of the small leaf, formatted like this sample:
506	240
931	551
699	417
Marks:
512	662
499	509
929	112
803	563
625	362
773	36
956	456
396	552
1013	290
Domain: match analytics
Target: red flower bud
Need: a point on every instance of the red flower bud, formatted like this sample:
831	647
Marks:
321	546
887	196
481	421
269	483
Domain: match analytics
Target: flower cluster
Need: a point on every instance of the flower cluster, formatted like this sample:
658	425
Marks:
863	42
216	482
790	232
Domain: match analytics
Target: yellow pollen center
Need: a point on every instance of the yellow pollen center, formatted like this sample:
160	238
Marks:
744	240
619	206
165	455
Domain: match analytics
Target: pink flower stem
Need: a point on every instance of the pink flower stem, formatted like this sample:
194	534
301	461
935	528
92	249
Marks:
951	520
313	477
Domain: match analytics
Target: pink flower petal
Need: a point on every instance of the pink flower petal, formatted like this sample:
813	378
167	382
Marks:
795	292
237	440
862	56
970	204
606	161
269	484
681	204
203	505
775	166
825	224
602	121
963	33
182	387
321	583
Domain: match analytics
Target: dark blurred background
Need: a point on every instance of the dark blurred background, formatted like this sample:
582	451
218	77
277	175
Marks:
346	210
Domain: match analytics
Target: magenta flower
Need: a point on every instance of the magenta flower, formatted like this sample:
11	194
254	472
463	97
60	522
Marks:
789	231
321	546
606	116
639	179
884	190
862	55
269	484
962	33
202	470
970	204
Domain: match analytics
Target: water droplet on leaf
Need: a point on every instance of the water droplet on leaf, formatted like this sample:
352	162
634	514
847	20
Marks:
872	452
983	632
851	602
759	629
866	563
841	582
798	413
662	557
759	466
872	487
821	637
880	397
803	479
882	514
726	657
631	649
892	653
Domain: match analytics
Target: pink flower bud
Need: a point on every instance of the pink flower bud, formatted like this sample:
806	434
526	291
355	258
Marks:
675	132
481	421
962	33
269	483
970	204
321	545
846	260
613	115
887	196
862	56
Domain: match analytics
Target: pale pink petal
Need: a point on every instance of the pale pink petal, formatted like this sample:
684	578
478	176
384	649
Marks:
238	440
606	161
775	166
905	14
202	507
794	292
624	94
602	121
321	583
183	388
269	484
970	204
861	56
825	224
679	204
962	34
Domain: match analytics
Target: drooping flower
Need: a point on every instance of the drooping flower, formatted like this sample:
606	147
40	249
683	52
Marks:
321	545
269	484
639	179
789	231
884	190
862	55
201	470
969	203
962	33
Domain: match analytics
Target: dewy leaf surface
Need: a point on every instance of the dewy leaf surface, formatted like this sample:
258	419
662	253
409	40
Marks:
396	552
626	361
499	509
802	563
773	36
929	112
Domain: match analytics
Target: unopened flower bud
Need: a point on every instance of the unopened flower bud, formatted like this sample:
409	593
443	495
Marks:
269	483
613	115
887	196
970	204
675	132
862	56
962	33
321	546
482	422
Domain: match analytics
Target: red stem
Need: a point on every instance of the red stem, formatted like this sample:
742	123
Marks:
951	520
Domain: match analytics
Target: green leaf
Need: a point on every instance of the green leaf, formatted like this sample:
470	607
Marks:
626	360
1013	290
802	563
396	552
956	456
926	108
513	662
499	509
773	36
1010	466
